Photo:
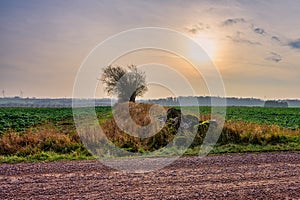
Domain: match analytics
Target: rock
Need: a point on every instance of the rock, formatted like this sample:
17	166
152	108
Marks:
189	122
174	117
173	113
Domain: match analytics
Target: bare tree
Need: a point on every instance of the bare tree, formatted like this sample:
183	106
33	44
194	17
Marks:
126	84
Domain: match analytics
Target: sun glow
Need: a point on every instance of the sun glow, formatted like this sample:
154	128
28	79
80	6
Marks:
208	45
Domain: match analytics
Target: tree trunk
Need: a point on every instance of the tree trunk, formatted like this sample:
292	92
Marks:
132	97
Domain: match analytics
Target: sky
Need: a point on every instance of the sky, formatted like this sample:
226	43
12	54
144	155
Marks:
255	45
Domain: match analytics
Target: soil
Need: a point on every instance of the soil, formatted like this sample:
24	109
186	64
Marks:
235	176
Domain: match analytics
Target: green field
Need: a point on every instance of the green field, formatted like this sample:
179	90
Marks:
19	119
285	117
20	126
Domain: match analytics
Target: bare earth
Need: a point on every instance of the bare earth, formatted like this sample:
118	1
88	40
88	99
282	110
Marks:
239	176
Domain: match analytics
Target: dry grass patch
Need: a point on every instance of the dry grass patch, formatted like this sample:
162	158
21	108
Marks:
42	138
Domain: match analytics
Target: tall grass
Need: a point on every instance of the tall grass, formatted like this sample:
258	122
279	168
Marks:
236	132
43	138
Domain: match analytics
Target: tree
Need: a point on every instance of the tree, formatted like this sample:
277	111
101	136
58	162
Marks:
126	84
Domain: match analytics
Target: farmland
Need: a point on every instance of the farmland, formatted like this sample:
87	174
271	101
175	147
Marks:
49	133
19	119
285	117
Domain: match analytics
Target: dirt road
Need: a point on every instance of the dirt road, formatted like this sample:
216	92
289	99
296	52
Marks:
240	176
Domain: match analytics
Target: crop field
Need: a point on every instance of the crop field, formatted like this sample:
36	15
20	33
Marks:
285	117
19	119
50	134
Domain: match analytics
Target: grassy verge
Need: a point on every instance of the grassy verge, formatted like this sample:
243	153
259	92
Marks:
43	143
51	146
50	156
45	156
248	148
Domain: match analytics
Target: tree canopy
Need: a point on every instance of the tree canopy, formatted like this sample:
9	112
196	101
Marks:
126	83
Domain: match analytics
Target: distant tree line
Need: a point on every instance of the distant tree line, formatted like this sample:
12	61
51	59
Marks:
276	104
169	101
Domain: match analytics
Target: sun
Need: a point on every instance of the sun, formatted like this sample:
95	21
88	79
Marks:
207	44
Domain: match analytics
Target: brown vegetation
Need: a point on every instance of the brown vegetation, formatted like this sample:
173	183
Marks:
233	132
140	115
43	138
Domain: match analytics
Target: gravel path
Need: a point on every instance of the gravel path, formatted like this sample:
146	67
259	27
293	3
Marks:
236	176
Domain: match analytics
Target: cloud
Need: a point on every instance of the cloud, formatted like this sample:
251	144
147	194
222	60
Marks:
274	57
238	39
230	22
194	29
295	44
275	38
259	31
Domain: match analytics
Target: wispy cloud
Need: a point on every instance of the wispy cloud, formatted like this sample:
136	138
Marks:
274	57
238	39
233	21
196	28
275	38
259	30
295	44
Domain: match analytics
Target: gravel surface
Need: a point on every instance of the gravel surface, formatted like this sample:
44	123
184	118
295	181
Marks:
235	176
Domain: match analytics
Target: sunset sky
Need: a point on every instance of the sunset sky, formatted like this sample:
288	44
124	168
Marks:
254	44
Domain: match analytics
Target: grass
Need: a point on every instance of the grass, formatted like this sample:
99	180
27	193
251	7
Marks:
43	143
236	132
48	156
50	134
247	148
